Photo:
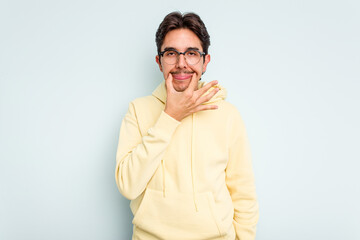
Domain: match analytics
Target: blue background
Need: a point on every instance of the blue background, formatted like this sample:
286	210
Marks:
68	70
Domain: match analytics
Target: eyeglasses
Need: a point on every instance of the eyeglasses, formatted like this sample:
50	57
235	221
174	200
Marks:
172	56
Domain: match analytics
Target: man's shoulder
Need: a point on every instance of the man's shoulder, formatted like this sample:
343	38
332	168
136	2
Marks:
230	108
231	113
146	110
146	106
145	101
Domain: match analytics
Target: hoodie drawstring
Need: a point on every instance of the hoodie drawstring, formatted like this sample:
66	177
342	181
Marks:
192	160
163	171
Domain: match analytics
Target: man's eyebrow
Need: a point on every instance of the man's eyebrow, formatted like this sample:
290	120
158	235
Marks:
169	49
172	49
193	48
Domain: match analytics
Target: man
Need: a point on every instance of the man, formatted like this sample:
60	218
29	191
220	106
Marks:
183	157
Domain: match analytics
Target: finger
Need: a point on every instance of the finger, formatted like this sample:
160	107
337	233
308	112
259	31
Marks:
169	83
206	87
208	96
205	107
193	83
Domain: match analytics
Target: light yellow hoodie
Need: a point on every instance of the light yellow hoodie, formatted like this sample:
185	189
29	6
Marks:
186	180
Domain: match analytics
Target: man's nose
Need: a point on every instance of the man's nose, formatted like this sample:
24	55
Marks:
181	63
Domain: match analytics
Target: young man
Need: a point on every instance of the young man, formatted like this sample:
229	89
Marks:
183	157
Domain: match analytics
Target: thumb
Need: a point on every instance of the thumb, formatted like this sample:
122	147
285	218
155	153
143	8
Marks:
168	83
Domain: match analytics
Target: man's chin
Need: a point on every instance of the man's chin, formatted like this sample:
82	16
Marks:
180	87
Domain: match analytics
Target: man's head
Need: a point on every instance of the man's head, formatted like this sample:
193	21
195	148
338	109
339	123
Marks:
176	34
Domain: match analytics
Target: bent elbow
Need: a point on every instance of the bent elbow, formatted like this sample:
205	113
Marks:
130	195
127	191
128	186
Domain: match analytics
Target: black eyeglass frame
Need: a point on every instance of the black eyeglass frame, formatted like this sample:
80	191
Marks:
201	54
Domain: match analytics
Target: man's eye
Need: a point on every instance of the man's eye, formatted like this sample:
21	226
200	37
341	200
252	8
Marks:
170	54
192	53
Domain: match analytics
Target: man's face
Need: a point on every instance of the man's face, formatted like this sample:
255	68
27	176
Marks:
182	40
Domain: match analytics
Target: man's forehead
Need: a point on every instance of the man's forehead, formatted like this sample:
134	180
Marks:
181	39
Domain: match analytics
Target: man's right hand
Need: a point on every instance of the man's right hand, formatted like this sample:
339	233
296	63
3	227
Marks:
181	104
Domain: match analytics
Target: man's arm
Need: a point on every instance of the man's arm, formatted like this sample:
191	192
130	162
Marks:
138	157
240	182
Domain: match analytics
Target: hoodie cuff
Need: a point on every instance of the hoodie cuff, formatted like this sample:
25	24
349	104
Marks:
166	124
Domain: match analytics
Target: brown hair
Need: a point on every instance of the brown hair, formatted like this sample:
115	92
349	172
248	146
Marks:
191	21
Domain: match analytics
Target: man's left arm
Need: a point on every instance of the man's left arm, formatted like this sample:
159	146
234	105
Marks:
241	184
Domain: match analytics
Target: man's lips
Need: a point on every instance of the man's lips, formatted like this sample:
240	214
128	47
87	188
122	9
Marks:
182	76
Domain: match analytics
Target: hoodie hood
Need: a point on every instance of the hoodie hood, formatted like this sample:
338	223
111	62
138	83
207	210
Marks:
160	92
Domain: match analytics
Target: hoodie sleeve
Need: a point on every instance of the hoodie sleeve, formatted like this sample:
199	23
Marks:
137	156
240	182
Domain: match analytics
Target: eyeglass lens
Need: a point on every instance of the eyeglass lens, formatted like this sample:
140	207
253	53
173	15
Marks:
192	57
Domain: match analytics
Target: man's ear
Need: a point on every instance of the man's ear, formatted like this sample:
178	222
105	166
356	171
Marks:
206	61
157	58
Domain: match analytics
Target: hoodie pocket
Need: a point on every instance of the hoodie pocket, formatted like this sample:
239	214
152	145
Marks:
175	216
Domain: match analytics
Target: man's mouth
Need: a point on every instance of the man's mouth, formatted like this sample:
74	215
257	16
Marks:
182	76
